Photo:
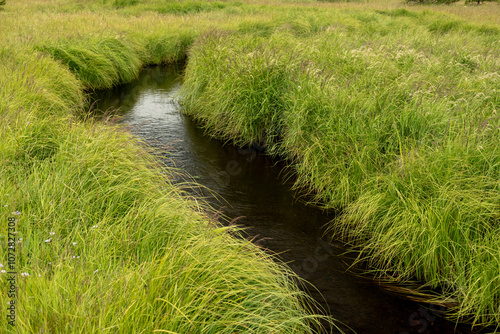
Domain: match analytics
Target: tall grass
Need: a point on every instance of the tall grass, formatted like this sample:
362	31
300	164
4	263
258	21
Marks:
388	116
110	245
104	242
99	63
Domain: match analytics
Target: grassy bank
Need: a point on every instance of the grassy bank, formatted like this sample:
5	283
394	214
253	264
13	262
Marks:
389	116
103	242
387	111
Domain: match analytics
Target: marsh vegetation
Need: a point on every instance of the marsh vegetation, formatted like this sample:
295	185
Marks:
387	113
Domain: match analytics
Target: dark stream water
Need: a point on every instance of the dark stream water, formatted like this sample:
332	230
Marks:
248	185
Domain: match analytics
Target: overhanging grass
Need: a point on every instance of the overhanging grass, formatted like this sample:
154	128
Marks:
126	253
361	100
100	62
108	243
389	118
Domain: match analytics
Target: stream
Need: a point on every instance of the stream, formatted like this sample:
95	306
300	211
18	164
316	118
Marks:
254	191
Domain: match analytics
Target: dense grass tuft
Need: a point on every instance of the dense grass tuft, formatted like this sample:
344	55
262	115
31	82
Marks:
168	48
99	63
104	249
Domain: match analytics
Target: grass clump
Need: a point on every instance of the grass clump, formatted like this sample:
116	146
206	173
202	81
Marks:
99	63
252	112
168	48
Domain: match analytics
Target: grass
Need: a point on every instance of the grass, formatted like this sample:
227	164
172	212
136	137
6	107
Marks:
110	245
104	242
389	117
386	111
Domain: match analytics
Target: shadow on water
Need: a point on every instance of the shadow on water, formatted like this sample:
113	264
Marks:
251	186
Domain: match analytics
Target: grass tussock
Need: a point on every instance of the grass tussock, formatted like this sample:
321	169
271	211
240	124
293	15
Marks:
389	116
99	63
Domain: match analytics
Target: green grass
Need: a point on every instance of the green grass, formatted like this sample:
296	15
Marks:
110	245
126	253
99	63
387	116
387	113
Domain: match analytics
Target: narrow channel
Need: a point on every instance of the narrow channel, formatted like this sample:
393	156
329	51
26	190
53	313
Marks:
255	191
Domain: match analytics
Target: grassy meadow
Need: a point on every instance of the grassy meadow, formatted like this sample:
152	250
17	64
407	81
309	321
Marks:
386	112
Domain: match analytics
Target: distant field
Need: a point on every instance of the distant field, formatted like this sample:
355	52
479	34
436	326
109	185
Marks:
386	111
